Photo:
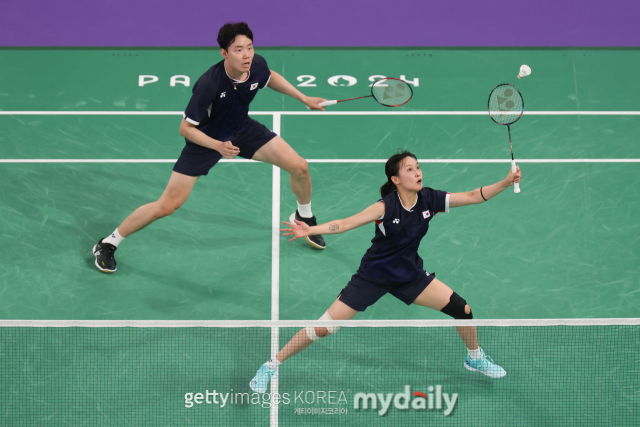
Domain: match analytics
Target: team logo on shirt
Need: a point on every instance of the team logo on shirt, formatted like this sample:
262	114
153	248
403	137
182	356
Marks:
426	214
254	86
223	94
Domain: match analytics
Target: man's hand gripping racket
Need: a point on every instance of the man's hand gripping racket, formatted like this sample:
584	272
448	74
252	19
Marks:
505	108
390	92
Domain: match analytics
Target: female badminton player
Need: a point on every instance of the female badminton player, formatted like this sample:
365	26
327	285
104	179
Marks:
392	264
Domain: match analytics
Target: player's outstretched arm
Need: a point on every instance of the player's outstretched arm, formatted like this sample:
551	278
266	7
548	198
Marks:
476	196
300	229
280	84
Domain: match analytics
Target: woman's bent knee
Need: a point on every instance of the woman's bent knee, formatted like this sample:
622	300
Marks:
322	332
457	308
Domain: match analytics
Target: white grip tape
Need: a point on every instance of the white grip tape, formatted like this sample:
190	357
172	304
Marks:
516	185
325	103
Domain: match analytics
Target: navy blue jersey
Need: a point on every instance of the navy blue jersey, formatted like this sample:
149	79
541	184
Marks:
217	108
393	255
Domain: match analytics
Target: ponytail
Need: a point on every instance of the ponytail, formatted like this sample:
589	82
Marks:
392	168
387	188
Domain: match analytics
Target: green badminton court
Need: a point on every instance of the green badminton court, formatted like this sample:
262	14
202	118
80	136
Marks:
88	135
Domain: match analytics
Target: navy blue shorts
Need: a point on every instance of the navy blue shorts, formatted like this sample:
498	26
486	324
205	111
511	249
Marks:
361	292
196	160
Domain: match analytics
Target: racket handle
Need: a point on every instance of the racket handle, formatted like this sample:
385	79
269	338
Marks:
516	185
325	103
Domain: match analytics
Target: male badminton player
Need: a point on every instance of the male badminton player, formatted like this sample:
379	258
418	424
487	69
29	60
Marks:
215	125
392	264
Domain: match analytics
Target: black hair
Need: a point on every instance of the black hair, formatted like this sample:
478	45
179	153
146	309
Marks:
392	168
229	31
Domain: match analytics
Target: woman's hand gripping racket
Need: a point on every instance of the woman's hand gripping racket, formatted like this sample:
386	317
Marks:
505	108
390	92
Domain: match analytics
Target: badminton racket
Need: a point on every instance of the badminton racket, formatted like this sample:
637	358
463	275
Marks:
505	108
390	92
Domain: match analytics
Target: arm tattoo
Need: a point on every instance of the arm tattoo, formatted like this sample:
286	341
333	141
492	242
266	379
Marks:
334	227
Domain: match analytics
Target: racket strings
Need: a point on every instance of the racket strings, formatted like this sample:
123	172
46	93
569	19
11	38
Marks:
505	104
391	92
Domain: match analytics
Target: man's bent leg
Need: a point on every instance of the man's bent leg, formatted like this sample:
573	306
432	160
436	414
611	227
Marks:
177	191
277	152
174	196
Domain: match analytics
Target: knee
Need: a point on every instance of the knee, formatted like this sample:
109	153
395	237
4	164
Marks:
300	169
322	332
315	334
457	308
166	208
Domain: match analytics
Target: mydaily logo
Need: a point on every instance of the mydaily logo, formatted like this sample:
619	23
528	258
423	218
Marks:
433	399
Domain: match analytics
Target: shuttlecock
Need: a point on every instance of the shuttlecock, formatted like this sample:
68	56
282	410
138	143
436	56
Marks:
525	70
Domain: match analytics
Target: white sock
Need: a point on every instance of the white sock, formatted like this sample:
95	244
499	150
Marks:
114	238
305	210
475	354
273	363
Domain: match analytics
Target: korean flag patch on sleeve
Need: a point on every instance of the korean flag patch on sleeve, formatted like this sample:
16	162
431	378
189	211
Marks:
426	214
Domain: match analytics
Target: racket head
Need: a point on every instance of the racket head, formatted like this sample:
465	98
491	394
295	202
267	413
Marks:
505	104
391	92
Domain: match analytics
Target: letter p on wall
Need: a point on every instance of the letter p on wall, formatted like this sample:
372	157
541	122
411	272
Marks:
143	80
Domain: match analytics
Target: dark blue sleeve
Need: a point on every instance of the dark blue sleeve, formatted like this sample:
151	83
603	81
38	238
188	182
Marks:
202	100
436	199
261	71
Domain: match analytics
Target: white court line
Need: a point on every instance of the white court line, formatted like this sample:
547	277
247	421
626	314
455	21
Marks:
275	237
313	113
327	161
275	274
405	323
451	113
113	161
480	160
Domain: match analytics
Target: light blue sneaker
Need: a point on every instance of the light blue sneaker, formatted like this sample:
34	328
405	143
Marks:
485	365
260	382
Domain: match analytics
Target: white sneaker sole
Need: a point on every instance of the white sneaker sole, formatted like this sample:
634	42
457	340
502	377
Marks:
482	372
253	385
291	220
104	270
